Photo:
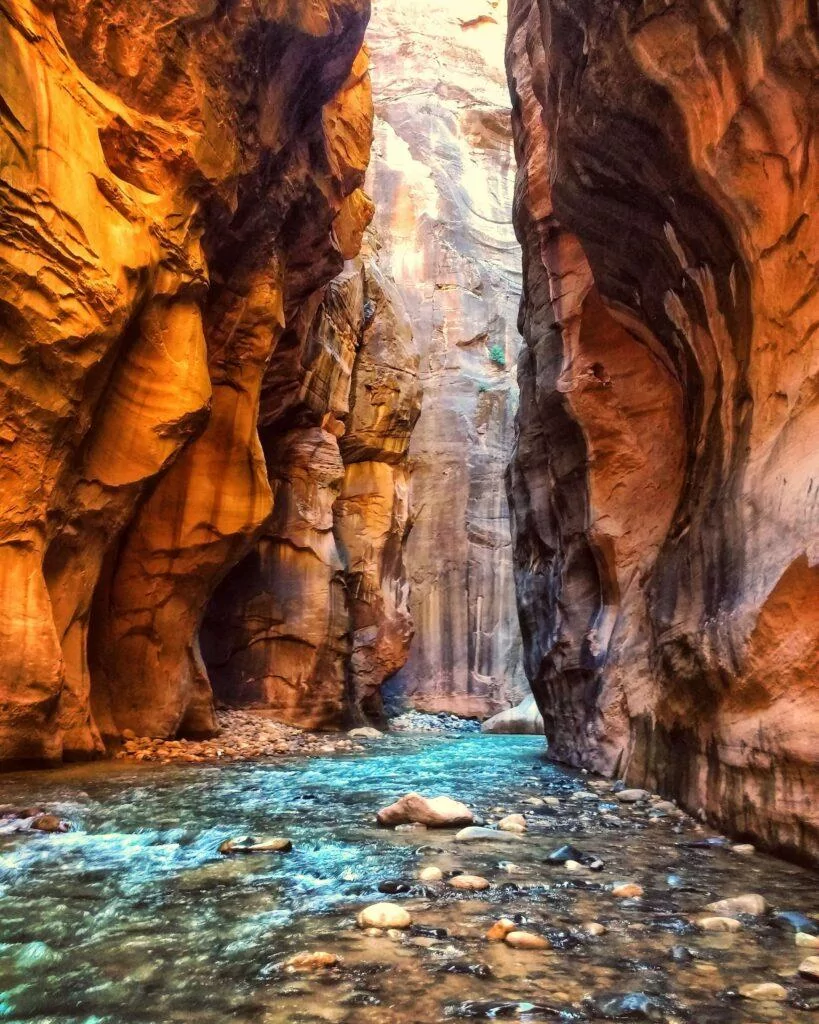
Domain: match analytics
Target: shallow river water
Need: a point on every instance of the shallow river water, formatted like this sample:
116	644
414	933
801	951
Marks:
134	916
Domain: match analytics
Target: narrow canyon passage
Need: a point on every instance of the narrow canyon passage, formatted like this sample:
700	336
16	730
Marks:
409	521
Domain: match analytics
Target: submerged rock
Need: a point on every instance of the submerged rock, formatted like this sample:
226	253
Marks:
476	832
749	903
630	1006
303	963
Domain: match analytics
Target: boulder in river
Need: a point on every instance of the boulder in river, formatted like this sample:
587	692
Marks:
522	719
434	812
384	915
49	823
365	732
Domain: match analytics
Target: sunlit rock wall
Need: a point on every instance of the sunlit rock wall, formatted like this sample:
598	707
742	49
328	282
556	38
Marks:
664	484
179	180
442	178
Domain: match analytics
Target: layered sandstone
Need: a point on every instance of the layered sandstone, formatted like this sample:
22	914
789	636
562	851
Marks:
316	617
442	178
664	480
178	183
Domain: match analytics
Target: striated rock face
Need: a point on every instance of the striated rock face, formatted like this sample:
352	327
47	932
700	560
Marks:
442	178
316	616
178	183
664	479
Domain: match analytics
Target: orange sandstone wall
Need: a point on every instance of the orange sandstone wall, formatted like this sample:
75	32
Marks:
664	483
179	181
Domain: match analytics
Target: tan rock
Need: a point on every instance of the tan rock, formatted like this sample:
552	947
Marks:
627	891
430	874
719	924
809	968
305	963
383	916
749	903
594	928
764	992
526	940
806	940
512	823
434	812
470	883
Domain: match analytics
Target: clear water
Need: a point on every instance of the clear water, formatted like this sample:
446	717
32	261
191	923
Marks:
135	916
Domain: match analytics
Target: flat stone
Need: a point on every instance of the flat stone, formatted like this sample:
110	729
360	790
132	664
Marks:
749	903
810	968
434	812
384	915
526	940
251	844
807	941
469	883
719	924
303	963
476	832
765	991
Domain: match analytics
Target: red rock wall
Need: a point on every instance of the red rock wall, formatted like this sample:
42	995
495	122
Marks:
664	480
178	183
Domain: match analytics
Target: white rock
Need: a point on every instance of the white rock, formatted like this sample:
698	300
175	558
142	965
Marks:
631	796
476	832
365	732
430	874
744	849
384	915
524	718
808	941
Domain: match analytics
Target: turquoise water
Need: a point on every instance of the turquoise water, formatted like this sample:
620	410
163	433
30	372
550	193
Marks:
134	917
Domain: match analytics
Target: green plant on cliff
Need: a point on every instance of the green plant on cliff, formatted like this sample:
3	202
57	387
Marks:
497	355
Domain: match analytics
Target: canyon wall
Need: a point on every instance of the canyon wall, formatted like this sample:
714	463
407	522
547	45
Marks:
664	484
179	182
442	177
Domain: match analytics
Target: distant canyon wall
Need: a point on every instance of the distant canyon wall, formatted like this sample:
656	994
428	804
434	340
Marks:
664	482
179	390
442	177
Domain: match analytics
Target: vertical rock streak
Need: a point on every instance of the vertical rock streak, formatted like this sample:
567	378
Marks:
663	482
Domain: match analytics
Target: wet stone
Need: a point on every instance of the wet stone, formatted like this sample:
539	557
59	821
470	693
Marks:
793	920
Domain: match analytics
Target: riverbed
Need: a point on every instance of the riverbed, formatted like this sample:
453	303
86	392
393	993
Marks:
135	916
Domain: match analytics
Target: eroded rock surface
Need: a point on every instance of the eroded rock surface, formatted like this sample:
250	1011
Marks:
178	182
664	481
442	178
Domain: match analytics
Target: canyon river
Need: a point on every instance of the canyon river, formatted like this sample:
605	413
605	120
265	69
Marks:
134	915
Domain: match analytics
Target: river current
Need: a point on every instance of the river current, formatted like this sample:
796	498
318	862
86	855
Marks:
134	915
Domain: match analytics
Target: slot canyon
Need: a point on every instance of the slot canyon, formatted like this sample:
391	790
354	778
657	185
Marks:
409	511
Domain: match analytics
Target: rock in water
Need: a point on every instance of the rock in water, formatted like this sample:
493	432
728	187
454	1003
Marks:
434	812
430	874
500	929
719	924
627	891
49	823
304	963
365	732
476	833
250	844
470	883
764	992
810	968
384	915
749	903
523	719
526	940
512	823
